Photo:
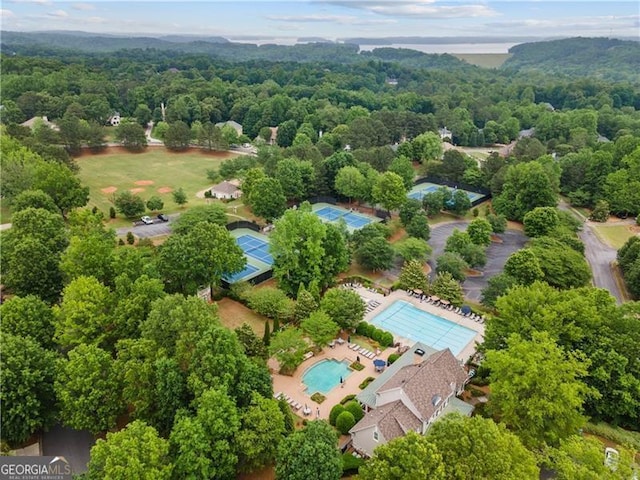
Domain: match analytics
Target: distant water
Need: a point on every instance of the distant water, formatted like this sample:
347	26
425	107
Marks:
447	48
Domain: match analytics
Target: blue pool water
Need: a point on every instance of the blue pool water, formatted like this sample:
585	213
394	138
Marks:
325	375
405	320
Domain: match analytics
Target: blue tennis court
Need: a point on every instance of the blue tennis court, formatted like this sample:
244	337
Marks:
419	191
255	247
246	273
332	213
405	320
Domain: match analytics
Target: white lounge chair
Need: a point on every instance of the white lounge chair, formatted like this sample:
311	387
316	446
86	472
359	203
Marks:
277	395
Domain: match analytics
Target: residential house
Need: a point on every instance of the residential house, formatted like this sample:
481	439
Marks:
416	390
32	122
235	125
114	120
445	133
226	190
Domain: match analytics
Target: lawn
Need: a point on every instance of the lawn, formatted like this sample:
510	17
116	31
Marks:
156	171
615	235
233	314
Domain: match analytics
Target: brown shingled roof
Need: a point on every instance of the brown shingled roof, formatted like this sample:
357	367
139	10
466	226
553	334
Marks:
393	420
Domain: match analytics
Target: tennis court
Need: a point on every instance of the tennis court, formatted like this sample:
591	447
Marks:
405	320
256	249
333	214
419	191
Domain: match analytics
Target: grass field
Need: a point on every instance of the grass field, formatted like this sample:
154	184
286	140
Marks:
615	235
233	314
485	60
156	171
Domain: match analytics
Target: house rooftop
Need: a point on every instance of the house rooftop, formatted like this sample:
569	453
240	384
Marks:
225	187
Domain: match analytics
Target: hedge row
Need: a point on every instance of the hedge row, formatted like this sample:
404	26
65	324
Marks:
365	329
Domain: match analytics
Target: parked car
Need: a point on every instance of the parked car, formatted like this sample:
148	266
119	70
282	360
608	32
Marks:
146	220
162	217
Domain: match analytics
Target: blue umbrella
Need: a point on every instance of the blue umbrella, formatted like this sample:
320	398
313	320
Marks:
466	309
379	363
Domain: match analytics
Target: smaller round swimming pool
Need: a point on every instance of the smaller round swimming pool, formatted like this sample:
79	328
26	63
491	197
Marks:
325	375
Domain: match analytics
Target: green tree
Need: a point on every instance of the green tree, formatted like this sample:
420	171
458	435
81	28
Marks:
142	114
453	264
267	199
296	178
177	136
479	231
129	204
199	257
409	209
30	317
601	211
190	449
418	227
309	453
474	255
536	389
375	254
169	394
412	276
179	197
562	267
83	316
497	286
389	191
155	203
427	146
404	168
88	390
320	328
288	346
581	458
447	287
488	450
251	179
271	302
460	203
541	221
90	255
131	135
350	182
262	431
286	133
344	422
306	304
252	344
413	248
404	458
33	199
524	267
134	452
433	202
213	213
498	222
457	241
345	307
64	188
27	395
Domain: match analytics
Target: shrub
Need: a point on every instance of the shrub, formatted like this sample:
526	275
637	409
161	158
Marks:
366	382
333	414
351	464
112	212
348	398
272	303
318	397
355	409
145	242
475	212
345	422
130	238
376	334
208	194
386	340
121	242
129	204
370	329
392	358
357	366
361	328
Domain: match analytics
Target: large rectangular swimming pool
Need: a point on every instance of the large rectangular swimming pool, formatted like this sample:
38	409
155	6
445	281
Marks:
405	320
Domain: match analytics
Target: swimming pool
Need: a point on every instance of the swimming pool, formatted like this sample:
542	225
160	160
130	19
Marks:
325	375
405	320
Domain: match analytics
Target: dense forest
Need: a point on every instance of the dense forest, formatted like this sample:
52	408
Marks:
98	334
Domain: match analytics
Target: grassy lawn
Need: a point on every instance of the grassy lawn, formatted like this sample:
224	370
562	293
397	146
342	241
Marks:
233	314
484	60
156	171
614	235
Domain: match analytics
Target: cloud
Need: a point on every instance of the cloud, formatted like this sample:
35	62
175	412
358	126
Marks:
417	8
58	14
85	7
4	13
38	2
567	26
339	19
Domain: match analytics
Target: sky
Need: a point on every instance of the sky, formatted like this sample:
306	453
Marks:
330	19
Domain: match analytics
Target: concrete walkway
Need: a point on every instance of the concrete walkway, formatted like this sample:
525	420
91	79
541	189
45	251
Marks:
296	390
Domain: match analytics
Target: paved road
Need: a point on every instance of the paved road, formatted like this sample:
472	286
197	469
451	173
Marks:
73	445
147	231
497	254
599	255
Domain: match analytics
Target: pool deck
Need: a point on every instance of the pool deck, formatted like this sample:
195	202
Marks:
295	389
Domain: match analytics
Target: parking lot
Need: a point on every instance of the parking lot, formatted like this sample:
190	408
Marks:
157	229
